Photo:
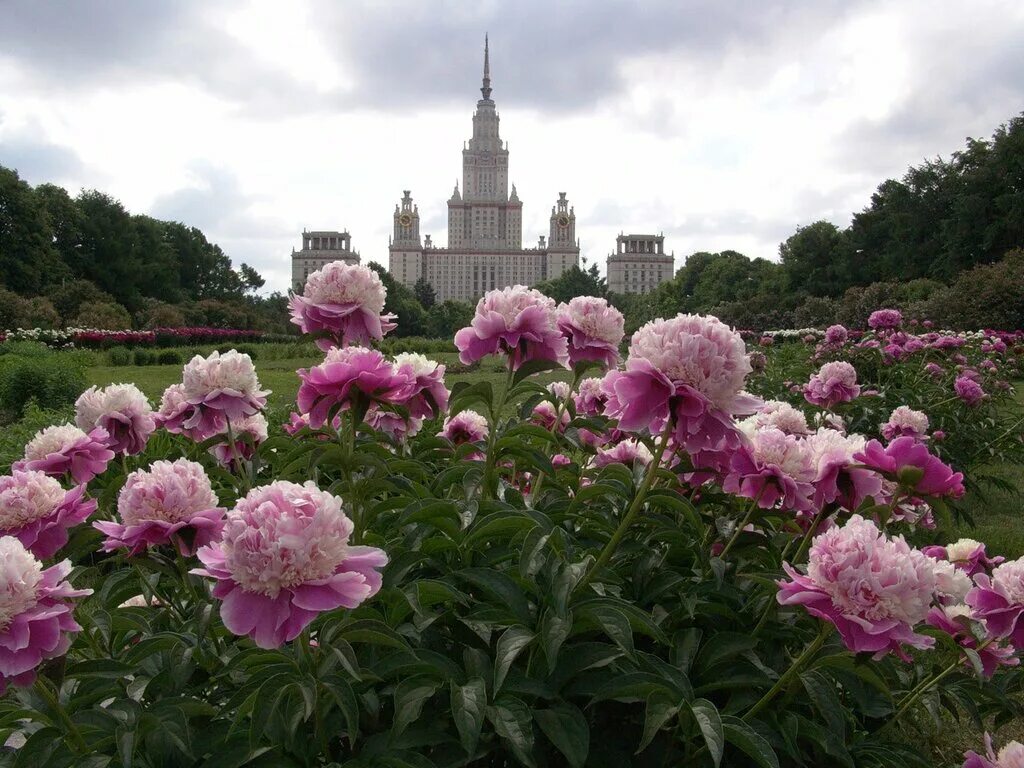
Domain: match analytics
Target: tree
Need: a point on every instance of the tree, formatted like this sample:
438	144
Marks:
68	298
574	282
108	316
401	301
815	258
28	261
424	293
252	280
444	319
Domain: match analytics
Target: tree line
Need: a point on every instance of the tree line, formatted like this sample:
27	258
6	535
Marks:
86	260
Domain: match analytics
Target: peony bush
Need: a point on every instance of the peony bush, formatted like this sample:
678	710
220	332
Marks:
697	555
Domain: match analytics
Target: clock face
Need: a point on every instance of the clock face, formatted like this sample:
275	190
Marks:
563	220
405	219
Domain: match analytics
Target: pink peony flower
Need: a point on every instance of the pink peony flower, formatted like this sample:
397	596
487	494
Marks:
517	321
885	319
220	387
465	427
628	452
874	590
37	511
170	503
174	411
66	449
998	600
933	369
247	433
688	372
836	335
36	621
349	376
123	411
909	463
836	479
590	399
283	558
594	330
955	621
1010	756
774	468
394	425
758	361
777	414
834	383
299	421
968	390
342	304
905	421
426	395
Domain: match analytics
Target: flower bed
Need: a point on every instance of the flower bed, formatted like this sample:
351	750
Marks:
91	338
640	564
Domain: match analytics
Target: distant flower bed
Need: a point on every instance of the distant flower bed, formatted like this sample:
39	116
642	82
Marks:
93	338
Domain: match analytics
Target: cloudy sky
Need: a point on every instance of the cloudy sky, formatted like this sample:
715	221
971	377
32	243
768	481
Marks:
723	123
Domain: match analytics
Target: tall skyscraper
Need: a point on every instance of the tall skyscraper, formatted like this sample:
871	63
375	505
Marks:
485	224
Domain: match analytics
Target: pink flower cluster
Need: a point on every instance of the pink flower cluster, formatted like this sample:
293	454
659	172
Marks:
908	462
37	511
64	449
36	621
885	319
905	422
518	322
594	330
120	409
686	373
873	589
342	304
170	503
1010	756
284	556
834	383
354	377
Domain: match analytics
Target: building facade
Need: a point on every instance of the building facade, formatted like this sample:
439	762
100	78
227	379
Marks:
485	224
319	249
639	264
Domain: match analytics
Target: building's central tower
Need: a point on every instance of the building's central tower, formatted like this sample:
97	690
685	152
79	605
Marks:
484	216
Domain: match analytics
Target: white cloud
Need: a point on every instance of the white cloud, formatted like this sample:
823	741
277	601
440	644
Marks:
725	125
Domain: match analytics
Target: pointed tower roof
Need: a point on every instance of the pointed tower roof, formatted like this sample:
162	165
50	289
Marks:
486	89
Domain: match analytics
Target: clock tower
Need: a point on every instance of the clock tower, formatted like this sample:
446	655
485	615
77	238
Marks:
563	248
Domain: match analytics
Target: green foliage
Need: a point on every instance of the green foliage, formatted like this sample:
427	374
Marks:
574	282
108	316
52	381
173	357
119	356
142	357
424	293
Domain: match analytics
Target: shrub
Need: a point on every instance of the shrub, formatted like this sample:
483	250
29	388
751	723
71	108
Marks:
169	357
119	356
52	381
109	316
142	357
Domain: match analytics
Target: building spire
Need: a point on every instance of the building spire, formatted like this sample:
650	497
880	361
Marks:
486	89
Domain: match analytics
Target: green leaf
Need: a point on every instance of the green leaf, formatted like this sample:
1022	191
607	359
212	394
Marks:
511	643
660	709
512	721
554	630
566	728
347	702
534	366
500	587
373	632
749	741
469	702
705	714
410	696
615	624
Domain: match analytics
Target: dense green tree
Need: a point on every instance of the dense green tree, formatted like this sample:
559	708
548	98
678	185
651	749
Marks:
424	293
815	259
400	301
444	319
28	261
574	282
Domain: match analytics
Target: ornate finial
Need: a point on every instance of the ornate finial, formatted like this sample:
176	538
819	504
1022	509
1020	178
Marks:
486	89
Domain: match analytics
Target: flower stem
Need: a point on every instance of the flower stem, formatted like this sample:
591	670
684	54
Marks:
794	669
632	512
490	484
54	703
809	536
555	426
923	687
739	528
